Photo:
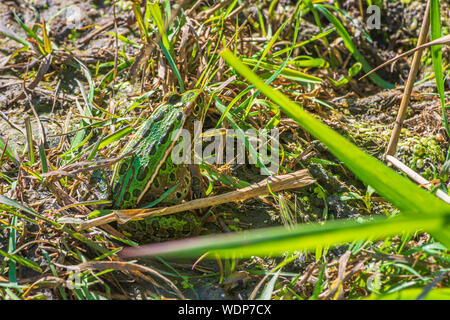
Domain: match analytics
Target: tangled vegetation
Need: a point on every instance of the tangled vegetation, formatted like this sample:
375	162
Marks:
79	78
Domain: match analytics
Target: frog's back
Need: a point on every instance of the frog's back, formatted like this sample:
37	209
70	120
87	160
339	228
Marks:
150	147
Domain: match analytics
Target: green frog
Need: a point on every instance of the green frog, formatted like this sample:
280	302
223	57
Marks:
149	175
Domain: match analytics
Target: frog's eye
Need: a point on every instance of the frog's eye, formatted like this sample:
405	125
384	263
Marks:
196	110
174	98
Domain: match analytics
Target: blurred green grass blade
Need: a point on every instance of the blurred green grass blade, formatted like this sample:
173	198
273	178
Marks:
279	240
412	294
147	16
436	54
14	204
352	21
11	295
401	192
76	146
55	274
94	150
231	104
109	76
47	43
124	40
141	99
352	48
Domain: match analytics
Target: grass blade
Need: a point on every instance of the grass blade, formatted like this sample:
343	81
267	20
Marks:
397	189
4	149
436	54
352	48
279	240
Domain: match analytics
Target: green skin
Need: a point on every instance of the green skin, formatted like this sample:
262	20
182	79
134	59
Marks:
152	144
147	174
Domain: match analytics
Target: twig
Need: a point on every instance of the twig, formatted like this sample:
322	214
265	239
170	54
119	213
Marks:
398	124
125	267
106	26
74	169
14	126
43	68
297	179
440	41
415	176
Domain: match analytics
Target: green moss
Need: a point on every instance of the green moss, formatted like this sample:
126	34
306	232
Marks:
168	222
421	154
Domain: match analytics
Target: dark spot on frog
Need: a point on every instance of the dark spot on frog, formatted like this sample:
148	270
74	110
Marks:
166	134
151	150
123	168
172	176
160	116
147	131
179	195
180	116
174	98
136	193
164	138
142	173
136	144
116	188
